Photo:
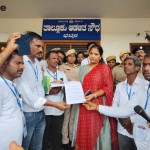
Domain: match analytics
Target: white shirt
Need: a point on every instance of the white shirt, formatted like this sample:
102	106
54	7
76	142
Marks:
121	98
85	61
11	121
30	86
43	64
128	110
55	97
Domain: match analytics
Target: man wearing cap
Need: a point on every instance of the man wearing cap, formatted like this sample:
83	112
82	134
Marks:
71	70
111	61
139	52
118	71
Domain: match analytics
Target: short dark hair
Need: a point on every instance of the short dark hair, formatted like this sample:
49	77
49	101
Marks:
89	44
80	53
15	52
49	52
63	53
33	35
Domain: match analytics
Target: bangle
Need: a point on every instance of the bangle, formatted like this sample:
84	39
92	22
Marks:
95	96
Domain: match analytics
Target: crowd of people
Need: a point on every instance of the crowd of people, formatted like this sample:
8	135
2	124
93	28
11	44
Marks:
31	119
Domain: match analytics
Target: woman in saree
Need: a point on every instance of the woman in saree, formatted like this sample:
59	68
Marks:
95	131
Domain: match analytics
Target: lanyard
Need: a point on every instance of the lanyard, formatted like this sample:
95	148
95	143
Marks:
129	92
55	75
15	93
147	99
35	70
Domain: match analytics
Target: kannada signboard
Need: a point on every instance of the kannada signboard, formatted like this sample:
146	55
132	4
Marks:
71	29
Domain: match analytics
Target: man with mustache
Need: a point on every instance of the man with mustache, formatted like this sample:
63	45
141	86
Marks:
141	129
139	52
54	117
11	114
30	86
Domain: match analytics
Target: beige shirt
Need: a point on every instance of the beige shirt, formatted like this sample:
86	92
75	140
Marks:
118	74
71	72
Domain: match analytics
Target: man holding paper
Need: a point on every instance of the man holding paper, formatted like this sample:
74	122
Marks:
33	96
54	116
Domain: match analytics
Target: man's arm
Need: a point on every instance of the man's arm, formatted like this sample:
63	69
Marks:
117	112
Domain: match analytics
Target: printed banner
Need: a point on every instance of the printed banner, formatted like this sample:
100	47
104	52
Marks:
71	29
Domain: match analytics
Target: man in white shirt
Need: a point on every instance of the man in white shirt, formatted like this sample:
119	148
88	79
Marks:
141	130
124	92
11	115
54	116
30	86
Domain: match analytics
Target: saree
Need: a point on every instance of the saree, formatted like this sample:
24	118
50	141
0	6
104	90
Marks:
90	123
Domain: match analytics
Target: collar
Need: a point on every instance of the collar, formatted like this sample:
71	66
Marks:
72	66
26	59
147	84
8	81
136	81
51	71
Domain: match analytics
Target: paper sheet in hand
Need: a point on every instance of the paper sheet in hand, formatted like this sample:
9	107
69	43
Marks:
56	85
74	92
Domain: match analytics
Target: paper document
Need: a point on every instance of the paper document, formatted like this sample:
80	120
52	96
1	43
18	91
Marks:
74	92
56	85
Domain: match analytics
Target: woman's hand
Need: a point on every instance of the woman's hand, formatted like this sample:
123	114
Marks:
91	106
89	97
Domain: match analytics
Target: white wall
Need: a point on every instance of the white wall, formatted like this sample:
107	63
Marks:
116	33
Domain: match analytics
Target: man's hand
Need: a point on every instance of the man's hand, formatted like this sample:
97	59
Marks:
90	105
58	82
62	106
55	90
11	42
127	124
14	146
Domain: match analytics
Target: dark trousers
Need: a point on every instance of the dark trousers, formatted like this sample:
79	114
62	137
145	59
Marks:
126	143
52	133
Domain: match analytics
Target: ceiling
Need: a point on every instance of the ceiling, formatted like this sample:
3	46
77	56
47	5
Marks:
75	9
